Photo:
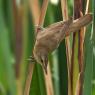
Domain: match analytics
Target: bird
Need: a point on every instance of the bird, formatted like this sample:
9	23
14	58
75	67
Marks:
48	39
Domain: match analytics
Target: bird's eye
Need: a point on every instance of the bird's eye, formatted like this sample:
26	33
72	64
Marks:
41	61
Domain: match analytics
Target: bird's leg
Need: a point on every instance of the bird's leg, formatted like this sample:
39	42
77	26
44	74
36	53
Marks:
38	29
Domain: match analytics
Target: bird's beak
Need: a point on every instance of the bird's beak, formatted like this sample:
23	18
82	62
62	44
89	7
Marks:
45	66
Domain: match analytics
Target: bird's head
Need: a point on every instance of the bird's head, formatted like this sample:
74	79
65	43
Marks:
41	58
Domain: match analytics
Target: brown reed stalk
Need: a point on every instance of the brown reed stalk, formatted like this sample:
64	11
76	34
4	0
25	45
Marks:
31	66
28	79
34	4
64	7
48	82
77	10
79	88
18	13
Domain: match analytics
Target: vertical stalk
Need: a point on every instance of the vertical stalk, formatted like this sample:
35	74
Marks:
29	78
79	90
67	42
75	61
18	42
81	52
78	8
31	65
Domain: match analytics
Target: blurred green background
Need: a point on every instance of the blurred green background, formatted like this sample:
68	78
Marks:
17	26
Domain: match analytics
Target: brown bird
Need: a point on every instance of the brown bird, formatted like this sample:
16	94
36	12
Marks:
48	39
